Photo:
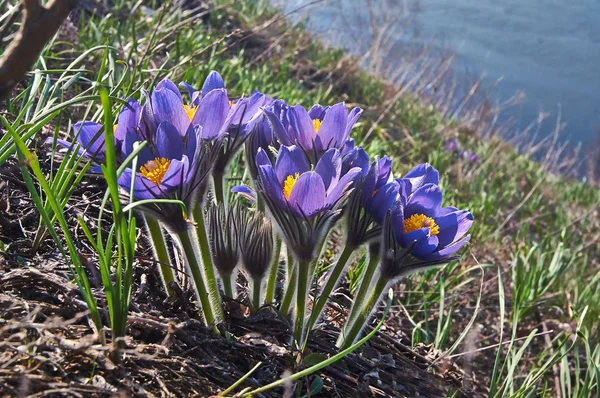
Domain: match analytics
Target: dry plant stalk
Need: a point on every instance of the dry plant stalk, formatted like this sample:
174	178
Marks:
38	26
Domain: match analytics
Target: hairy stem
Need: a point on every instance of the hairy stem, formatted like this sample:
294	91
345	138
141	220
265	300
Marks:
272	277
365	284
304	276
352	331
157	239
219	185
190	252
288	297
332	280
256	294
228	286
212	286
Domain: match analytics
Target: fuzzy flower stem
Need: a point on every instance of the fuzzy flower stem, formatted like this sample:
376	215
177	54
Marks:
157	239
304	276
256	294
272	277
228	287
292	276
365	284
353	330
219	185
190	252
209	270
332	280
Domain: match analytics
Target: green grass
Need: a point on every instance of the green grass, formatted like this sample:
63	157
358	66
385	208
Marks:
534	260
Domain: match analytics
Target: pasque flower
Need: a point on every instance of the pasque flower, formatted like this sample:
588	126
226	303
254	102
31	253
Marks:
292	188
424	233
314	131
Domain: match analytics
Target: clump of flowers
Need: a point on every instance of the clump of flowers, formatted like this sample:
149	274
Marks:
305	175
453	146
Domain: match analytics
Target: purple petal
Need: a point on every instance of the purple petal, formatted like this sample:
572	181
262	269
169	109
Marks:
426	246
212	82
333	129
410	238
90	136
142	189
278	127
426	200
352	118
397	221
308	194
245	191
302	126
212	113
271	186
168	107
342	186
448	250
174	177
262	159
191	90
169	85
421	175
329	168
453	226
317	112
383	200
129	119
144	156
168	142
252	106
385	170
290	160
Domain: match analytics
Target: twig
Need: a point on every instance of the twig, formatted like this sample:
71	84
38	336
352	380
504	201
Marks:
39	25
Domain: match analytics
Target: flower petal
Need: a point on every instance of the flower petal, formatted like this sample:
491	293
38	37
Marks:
142	189
212	113
342	186
426	246
352	118
329	168
213	81
421	175
90	136
290	160
129	119
453	226
270	185
333	129
426	200
302	128
448	250
168	107
174	177
144	156
169	85
383	200
308	194
168	142
317	112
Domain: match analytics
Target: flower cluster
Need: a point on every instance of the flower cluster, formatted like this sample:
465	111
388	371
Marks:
453	146
306	175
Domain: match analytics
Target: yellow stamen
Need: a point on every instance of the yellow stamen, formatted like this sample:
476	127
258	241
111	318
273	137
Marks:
231	104
289	183
114	128
190	110
374	192
317	124
418	221
155	170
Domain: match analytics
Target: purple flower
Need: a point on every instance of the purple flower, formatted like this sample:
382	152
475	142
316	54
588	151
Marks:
314	131
470	157
416	178
373	196
419	233
452	146
303	200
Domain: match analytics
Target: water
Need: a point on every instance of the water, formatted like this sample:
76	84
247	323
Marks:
548	49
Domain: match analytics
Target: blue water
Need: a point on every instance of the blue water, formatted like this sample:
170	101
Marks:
548	49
